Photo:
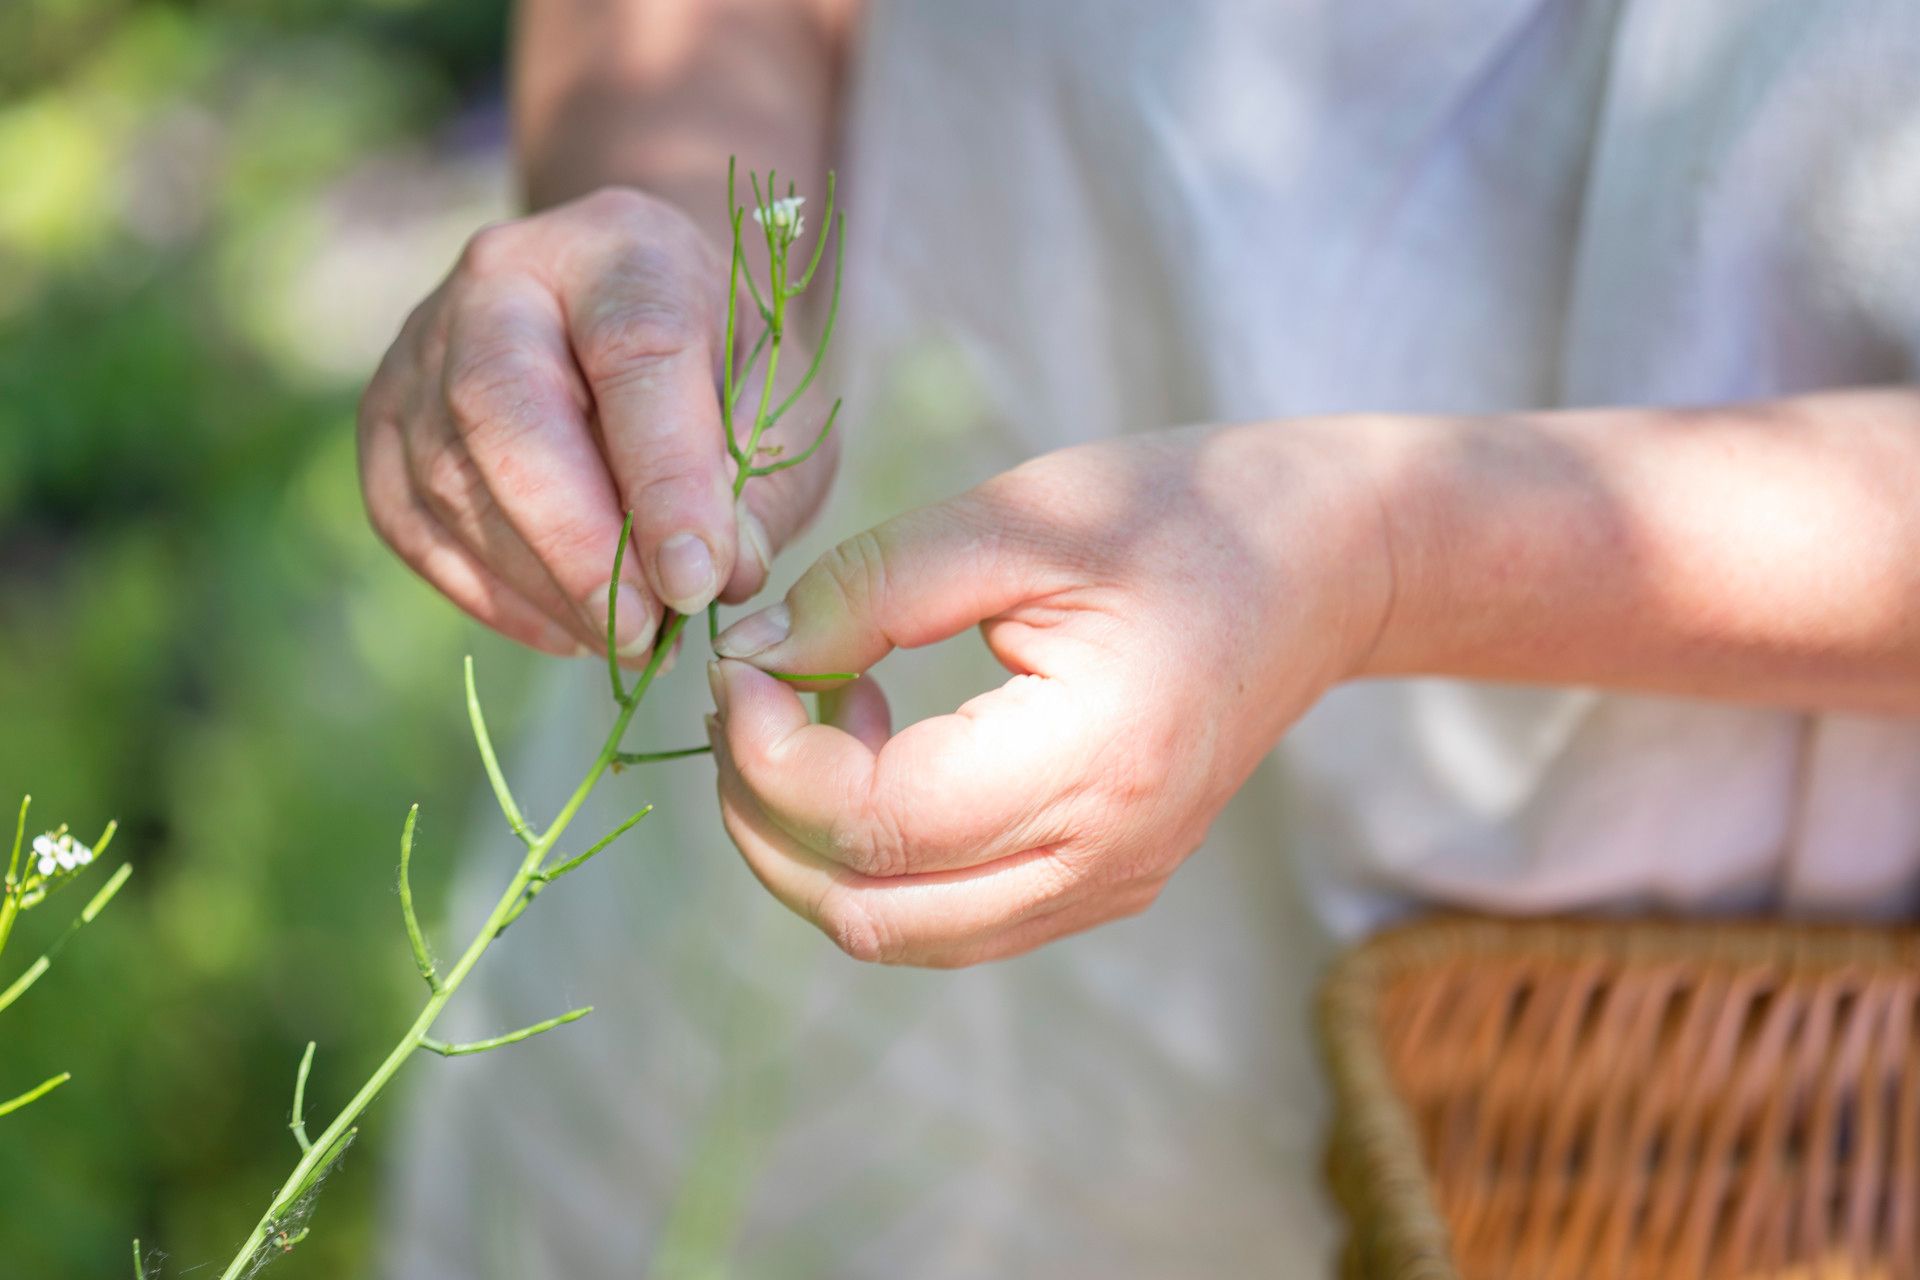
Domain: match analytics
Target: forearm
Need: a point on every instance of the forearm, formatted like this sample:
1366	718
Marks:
657	94
1766	553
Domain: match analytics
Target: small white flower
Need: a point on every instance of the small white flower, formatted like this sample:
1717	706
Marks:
56	853
784	213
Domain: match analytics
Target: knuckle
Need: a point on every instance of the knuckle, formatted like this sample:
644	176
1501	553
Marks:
449	480
637	336
853	928
575	549
491	249
675	479
615	202
497	391
871	843
857	570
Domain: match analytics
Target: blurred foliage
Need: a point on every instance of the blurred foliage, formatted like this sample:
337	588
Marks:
197	632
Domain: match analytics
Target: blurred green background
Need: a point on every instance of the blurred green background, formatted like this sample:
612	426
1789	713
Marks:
213	216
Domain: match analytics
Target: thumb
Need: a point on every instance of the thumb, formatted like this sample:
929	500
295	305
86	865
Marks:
917	579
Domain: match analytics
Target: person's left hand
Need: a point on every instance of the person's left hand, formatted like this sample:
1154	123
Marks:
1168	604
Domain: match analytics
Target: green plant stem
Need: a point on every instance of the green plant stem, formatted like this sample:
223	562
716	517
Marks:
9	912
330	1143
34	1094
275	1227
654	757
94	907
416	938
299	1123
10	890
461	1048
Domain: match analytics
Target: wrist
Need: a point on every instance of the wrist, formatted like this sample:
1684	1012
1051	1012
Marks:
1481	518
1312	493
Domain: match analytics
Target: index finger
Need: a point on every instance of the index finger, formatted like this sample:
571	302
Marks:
642	332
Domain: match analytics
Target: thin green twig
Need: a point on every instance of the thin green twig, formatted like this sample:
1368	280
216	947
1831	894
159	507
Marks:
416	937
652	757
94	907
459	1049
491	762
550	874
805	453
299	1123
613	611
19	834
826	326
277	1227
34	1094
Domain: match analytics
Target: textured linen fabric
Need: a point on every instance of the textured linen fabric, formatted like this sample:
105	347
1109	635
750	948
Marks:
1076	218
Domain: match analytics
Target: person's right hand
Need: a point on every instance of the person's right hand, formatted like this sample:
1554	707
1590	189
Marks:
566	372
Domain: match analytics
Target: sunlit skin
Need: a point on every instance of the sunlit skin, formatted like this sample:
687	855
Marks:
1168	603
1172	602
566	368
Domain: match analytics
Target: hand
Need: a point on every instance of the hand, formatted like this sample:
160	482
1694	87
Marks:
564	373
1168	604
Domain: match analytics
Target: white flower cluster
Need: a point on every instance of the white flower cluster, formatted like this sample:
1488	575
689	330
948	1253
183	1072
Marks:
784	214
58	853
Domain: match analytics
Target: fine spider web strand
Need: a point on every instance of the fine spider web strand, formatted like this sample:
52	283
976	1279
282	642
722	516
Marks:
292	1226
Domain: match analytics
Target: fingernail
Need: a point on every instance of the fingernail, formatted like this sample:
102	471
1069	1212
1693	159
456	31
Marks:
756	633
687	576
633	622
718	683
753	536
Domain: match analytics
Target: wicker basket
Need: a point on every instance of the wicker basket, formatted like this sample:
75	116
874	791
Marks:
1524	1101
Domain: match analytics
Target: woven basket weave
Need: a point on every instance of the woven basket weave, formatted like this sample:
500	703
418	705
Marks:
1585	1101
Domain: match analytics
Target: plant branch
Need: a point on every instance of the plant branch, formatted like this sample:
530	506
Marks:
491	762
550	874
462	1048
826	328
805	453
652	757
19	834
327	1147
416	938
94	907
299	1124
613	613
279	1226
34	1094
819	245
